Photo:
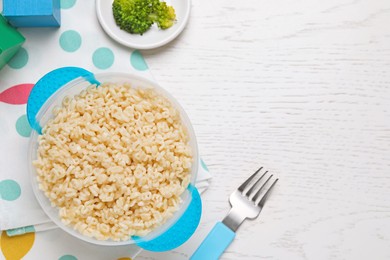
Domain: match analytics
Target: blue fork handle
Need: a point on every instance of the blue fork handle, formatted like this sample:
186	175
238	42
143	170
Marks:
215	243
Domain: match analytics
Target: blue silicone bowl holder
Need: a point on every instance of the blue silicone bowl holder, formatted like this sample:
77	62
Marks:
176	234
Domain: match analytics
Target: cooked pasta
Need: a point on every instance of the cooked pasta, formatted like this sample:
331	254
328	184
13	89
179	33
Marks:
115	160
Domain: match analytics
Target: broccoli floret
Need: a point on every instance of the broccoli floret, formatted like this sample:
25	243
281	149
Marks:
166	15
137	16
132	15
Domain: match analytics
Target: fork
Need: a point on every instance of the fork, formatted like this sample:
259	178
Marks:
247	202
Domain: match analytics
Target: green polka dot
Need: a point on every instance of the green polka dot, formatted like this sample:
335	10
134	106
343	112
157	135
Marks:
137	61
204	166
9	190
70	41
103	58
67	257
19	60
23	127
66	4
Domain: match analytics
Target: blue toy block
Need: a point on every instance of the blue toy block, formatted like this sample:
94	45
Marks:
32	13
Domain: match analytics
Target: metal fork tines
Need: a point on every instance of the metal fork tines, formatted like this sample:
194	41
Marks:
248	200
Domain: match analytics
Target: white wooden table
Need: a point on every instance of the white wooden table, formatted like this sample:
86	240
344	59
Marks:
302	88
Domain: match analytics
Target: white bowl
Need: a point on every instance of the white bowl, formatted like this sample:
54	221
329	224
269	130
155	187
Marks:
151	39
74	87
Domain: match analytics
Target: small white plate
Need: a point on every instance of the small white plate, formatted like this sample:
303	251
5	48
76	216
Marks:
151	39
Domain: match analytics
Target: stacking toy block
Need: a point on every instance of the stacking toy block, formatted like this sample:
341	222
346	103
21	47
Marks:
10	41
32	13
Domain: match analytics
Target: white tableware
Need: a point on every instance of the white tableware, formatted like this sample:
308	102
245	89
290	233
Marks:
151	39
74	87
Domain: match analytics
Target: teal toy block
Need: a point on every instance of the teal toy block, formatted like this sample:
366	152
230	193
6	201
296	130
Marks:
32	13
10	41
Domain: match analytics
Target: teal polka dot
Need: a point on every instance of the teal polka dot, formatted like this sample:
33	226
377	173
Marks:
137	61
9	190
70	41
103	58
67	257
19	60
20	231
23	127
204	166
66	4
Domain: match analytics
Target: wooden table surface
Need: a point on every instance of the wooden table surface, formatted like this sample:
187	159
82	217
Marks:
302	88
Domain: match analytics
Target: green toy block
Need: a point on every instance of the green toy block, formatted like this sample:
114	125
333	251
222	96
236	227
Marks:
10	41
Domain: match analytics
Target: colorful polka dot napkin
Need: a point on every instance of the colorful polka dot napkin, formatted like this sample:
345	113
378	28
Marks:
80	42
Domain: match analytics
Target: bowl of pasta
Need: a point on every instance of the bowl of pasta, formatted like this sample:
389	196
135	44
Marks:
113	157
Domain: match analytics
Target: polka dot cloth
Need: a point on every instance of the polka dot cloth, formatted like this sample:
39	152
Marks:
138	61
70	41
19	60
79	42
67	257
9	190
66	4
103	58
204	166
16	247
17	94
22	126
73	44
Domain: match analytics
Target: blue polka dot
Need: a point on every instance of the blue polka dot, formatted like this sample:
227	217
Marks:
103	58
19	60
9	190
204	166
20	231
70	41
138	61
67	257
66	4
22	126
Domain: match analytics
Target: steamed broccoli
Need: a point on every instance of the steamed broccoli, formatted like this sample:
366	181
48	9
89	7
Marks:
165	16
137	16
